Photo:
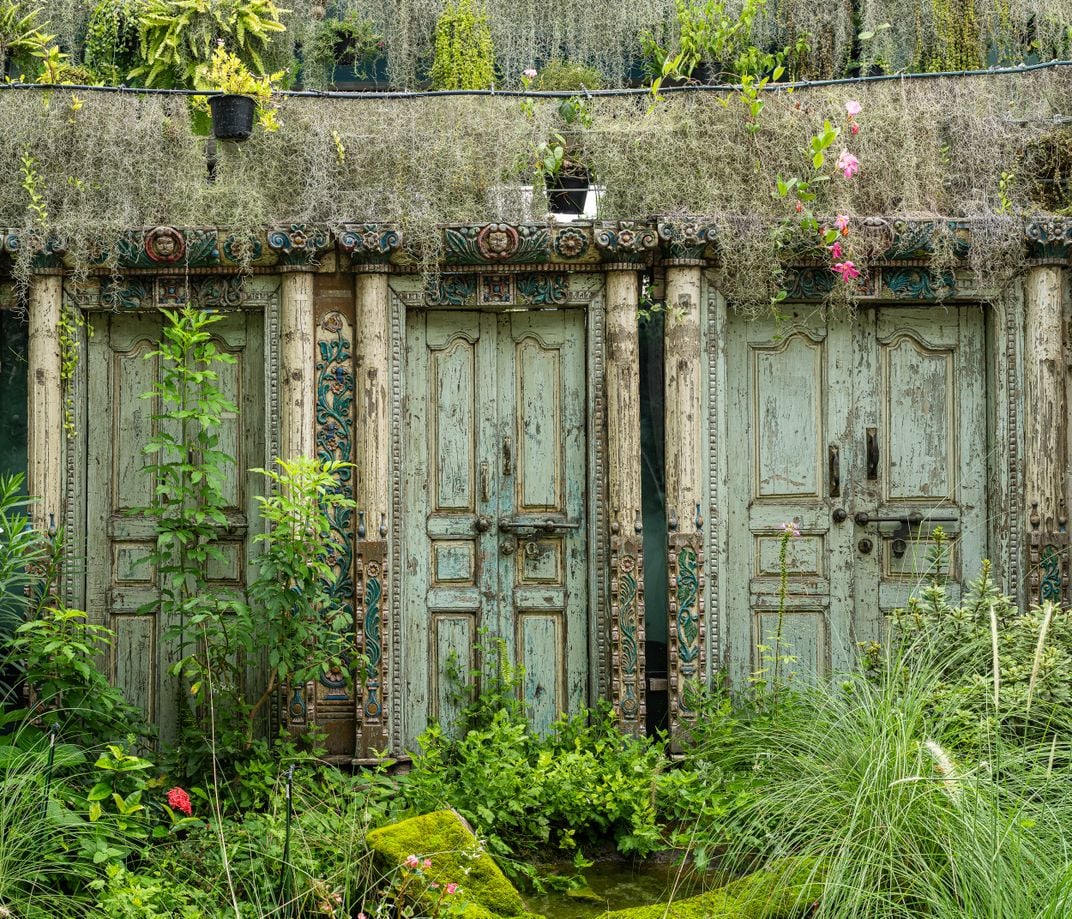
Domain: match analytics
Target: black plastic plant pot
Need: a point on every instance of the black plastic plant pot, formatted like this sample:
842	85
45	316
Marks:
232	116
567	192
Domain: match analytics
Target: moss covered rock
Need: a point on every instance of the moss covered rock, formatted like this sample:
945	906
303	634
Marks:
457	857
785	890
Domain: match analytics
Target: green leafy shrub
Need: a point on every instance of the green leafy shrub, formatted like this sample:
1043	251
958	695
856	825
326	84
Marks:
352	41
113	39
464	53
581	784
177	36
566	76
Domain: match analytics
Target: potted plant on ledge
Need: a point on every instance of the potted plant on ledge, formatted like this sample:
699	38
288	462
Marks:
242	97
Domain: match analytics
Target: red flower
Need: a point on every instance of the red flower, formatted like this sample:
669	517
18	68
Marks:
180	800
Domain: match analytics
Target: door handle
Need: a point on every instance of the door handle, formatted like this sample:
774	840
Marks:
508	456
529	526
872	453
484	481
834	469
483	523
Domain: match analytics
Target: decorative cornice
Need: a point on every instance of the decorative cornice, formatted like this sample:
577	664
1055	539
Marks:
162	250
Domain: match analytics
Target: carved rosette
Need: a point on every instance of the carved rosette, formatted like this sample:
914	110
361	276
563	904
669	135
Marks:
1048	556
572	243
369	244
627	630
686	625
335	443
626	241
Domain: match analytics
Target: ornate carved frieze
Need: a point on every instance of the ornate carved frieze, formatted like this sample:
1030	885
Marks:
372	606
627	628
686	621
335	443
919	283
451	290
1048	556
497	244
543	289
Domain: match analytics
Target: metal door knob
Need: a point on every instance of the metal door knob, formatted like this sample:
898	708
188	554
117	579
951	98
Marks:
483	523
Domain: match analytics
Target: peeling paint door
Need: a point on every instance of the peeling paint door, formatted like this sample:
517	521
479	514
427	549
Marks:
866	433
119	586
494	489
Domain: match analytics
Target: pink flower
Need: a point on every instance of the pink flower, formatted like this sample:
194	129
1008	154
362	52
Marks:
853	108
426	864
412	861
790	528
835	250
799	207
855	128
847	270
180	800
530	73
452	888
842	223
847	164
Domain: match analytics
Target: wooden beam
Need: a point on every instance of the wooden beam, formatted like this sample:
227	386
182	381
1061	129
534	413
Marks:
623	477
45	403
1045	433
297	396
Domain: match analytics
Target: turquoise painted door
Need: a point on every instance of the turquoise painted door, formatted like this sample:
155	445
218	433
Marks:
866	433
120	423
494	489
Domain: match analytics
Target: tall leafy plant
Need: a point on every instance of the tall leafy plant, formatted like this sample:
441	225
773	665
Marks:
189	469
464	52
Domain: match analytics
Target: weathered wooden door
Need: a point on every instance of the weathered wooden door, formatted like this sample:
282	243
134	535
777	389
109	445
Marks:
866	433
120	424
494	491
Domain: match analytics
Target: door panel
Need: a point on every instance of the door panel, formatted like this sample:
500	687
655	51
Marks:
881	415
120	586
494	497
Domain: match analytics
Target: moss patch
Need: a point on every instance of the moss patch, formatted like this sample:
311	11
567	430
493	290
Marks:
783	891
457	857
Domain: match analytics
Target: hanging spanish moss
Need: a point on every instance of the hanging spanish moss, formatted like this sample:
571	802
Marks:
983	149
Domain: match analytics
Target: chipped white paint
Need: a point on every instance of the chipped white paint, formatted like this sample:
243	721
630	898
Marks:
623	397
684	396
45	408
297	397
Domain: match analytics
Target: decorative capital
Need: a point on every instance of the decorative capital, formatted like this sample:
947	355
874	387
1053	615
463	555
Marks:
1048	239
298	244
497	244
626	241
686	240
369	243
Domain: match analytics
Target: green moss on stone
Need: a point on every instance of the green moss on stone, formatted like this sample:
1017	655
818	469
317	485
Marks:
783	891
457	857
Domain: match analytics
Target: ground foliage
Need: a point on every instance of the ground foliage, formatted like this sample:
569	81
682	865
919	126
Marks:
95	165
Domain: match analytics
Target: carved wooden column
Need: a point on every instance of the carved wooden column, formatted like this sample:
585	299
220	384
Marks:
1046	433
370	247
45	408
297	391
684	477
623	454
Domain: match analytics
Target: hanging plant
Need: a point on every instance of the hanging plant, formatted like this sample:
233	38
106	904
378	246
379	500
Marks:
352	41
113	39
464	53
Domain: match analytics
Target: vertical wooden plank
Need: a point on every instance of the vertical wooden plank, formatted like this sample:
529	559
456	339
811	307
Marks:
45	401
623	449
1045	432
372	366
683	435
297	361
